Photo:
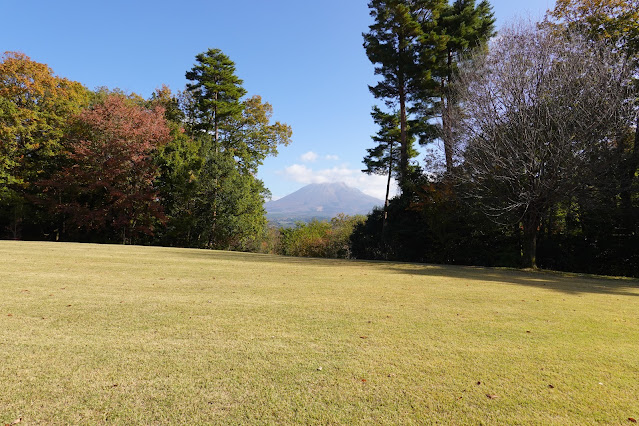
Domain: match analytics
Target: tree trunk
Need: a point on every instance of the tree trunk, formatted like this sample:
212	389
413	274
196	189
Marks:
447	134
403	139
403	142
390	172
530	224
217	135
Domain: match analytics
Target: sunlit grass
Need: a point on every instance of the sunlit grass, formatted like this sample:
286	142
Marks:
97	334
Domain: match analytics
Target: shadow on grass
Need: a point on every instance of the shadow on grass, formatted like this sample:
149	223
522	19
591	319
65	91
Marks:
566	283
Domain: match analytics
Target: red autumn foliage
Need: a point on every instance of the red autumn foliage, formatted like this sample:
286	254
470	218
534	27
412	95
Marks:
107	184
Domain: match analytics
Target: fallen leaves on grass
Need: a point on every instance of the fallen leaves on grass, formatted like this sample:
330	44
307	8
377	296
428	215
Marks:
492	396
551	386
632	420
15	422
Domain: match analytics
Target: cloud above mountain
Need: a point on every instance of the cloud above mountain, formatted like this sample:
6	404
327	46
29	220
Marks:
373	185
311	157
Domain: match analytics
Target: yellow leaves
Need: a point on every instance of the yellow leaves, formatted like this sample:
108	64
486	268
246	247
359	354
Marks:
617	20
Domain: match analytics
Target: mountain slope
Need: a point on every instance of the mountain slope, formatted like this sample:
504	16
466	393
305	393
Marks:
321	200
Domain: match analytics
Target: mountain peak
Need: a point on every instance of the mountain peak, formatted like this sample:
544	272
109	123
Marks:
321	200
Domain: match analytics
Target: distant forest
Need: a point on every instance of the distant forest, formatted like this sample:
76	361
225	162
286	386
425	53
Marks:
538	124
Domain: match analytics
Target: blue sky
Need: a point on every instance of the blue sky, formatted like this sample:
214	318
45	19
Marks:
303	57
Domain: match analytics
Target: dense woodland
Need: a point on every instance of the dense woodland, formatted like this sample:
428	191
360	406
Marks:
105	166
538	124
539	129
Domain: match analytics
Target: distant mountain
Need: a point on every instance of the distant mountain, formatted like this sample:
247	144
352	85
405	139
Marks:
321	201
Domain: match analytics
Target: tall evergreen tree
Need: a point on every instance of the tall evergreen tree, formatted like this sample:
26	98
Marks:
383	158
215	98
216	92
463	26
394	44
235	136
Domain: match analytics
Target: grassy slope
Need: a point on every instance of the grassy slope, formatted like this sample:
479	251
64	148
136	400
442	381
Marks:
92	334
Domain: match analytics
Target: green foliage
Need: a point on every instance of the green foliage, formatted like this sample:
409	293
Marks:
320	238
462	27
233	137
383	158
416	46
216	92
395	43
433	225
179	165
228	205
614	20
35	110
251	136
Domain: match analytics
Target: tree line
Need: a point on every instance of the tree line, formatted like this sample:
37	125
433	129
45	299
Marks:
539	132
537	126
106	166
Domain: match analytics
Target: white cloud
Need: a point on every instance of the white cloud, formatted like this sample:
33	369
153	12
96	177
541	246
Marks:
331	157
309	157
373	185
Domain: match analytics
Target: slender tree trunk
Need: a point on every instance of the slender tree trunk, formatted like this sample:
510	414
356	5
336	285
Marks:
628	168
403	142
403	139
215	184
530	224
388	181
447	134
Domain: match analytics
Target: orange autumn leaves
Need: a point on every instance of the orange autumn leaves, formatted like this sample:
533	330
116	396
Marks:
107	181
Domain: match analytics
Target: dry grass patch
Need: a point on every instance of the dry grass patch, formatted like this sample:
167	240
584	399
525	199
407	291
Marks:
102	334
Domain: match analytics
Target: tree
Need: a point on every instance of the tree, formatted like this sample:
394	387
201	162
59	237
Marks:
234	137
395	44
105	190
540	109
179	165
383	159
35	107
464	27
252	137
216	92
616	22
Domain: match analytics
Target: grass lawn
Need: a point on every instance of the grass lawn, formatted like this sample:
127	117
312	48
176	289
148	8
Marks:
123	334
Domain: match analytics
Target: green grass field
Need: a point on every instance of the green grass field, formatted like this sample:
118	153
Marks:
122	334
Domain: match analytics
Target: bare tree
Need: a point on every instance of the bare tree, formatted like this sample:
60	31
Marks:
537	112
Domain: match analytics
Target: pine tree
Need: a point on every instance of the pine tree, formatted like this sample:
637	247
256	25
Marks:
383	158
216	92
394	43
235	136
463	27
215	98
